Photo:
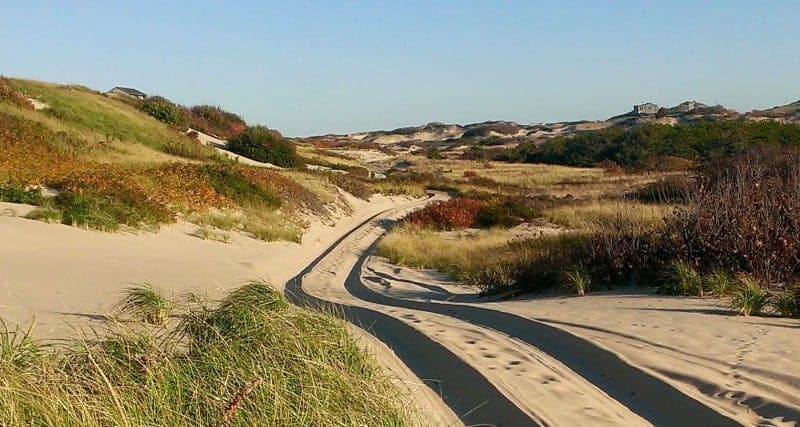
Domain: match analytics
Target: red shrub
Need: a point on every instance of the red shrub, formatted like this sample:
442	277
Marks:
450	215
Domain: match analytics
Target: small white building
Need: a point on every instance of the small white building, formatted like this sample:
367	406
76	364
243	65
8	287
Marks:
126	91
646	108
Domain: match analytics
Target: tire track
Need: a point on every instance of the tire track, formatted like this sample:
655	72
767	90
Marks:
465	390
651	398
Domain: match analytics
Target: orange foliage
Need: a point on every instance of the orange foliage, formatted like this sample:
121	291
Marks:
449	215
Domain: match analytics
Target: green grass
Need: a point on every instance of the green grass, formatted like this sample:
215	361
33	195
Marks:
18	348
719	282
107	118
579	281
101	211
222	221
19	194
787	303
272	225
206	233
145	303
748	298
683	279
229	182
251	359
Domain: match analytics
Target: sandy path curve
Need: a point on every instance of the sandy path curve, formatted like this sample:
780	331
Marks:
616	383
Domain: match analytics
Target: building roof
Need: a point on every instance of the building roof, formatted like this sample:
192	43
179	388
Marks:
128	91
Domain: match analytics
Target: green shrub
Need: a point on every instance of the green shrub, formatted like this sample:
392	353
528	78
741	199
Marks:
433	154
19	194
748	297
265	145
492	278
164	110
493	215
507	211
660	146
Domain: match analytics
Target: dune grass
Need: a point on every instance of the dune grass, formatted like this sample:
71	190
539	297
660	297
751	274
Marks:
93	117
584	215
251	359
145	303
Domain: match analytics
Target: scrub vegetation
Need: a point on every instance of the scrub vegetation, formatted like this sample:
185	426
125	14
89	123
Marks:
728	228
111	164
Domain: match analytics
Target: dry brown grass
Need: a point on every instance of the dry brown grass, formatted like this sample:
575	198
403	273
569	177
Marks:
596	212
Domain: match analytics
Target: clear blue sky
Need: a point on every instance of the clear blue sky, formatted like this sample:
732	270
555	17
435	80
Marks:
311	67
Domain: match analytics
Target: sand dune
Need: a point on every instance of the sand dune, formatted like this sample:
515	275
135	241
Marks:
66	277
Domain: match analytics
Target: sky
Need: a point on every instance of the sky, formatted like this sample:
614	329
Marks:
317	67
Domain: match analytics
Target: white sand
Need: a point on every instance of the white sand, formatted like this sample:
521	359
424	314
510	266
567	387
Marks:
63	276
738	365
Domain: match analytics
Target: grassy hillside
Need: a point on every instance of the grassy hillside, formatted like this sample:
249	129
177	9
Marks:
250	359
114	166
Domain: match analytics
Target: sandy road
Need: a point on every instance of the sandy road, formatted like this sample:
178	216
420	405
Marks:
595	385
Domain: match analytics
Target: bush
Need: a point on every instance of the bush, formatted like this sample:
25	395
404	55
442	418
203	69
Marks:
18	194
215	121
9	94
507	211
265	145
433	154
659	146
673	189
453	214
744	216
164	110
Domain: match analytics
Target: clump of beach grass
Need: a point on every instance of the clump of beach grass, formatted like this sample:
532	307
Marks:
787	303
748	298
683	279
17	346
579	281
145	303
719	282
251	359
